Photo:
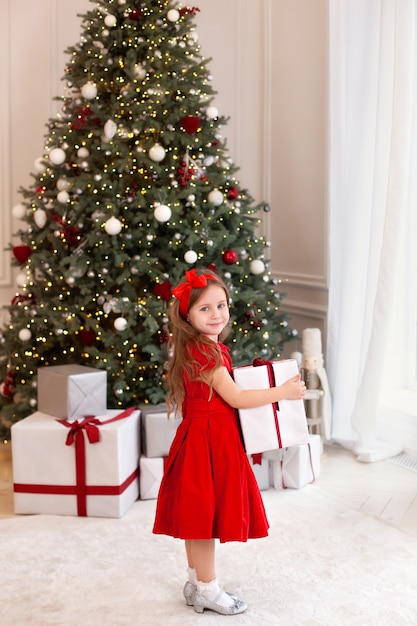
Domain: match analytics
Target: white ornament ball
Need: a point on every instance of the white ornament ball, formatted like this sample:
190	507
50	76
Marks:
212	113
157	153
190	257
120	323
89	91
113	226
63	183
139	71
215	197
63	197
21	279
83	153
40	217
39	165
19	211
25	334
173	15
257	267
57	156
162	213
110	21
110	128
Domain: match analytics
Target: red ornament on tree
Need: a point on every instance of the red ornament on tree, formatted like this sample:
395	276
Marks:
233	193
88	336
191	124
230	257
163	290
22	253
135	15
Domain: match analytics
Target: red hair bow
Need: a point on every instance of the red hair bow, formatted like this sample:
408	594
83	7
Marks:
193	281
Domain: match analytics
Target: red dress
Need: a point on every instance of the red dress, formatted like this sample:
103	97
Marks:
208	489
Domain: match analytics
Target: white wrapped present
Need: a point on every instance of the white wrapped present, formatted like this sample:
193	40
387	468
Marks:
158	431
260	467
297	466
271	426
87	467
151	471
72	391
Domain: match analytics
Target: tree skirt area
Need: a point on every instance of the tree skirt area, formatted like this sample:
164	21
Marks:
323	564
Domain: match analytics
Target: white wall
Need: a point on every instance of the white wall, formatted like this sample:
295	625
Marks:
269	67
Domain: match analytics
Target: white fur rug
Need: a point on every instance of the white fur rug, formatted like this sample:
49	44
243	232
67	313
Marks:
323	564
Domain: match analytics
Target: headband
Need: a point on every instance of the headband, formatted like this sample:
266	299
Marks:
193	281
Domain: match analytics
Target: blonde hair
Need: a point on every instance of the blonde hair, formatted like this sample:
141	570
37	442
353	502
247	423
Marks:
183	338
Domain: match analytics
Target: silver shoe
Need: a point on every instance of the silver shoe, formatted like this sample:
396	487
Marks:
201	603
189	592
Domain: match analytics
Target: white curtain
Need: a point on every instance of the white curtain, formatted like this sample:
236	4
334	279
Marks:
372	130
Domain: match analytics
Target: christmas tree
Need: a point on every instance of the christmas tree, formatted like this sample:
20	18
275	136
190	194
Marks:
134	187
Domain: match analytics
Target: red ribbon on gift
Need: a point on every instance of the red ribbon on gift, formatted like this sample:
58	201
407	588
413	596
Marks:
272	383
89	425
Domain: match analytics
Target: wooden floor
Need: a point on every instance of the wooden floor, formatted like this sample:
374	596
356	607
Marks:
383	489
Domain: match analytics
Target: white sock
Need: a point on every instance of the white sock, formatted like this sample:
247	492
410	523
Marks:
192	576
213	592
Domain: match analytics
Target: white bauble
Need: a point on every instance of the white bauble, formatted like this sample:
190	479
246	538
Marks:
139	71
110	129
173	15
25	334
39	165
21	279
209	161
190	257
40	217
162	213
57	156
257	267
63	183
89	90
83	153
157	153
120	323
212	113
19	211
63	197
110	21
215	197
113	226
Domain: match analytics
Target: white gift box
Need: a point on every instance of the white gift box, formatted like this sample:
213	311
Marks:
151	471
53	478
261	472
158	431
270	427
72	391
297	466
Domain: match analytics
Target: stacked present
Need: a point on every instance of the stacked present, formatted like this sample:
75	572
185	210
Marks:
73	456
158	431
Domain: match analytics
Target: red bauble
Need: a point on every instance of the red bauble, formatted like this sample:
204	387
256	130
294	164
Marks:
230	257
233	193
88	336
191	124
22	253
163	290
135	15
212	267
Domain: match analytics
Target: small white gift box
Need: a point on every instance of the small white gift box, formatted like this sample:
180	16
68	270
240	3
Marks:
87	467
260	467
72	391
151	471
271	426
158	431
297	466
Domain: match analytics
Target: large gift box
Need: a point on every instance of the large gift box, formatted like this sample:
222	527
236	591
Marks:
151	471
87	467
72	391
297	466
260	467
158	430
271	426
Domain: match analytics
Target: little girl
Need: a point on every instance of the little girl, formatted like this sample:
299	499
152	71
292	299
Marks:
208	490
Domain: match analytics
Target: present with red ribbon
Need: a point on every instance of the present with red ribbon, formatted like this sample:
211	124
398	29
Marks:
151	471
271	426
295	467
87	467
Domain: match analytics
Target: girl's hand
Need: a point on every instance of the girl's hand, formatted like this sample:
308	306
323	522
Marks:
293	389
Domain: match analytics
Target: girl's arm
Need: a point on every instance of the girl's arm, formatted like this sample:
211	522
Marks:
225	386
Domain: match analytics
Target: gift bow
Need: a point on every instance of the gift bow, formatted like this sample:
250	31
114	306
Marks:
193	280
